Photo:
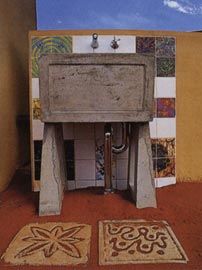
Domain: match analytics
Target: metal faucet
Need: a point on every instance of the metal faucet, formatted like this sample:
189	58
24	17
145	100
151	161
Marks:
94	43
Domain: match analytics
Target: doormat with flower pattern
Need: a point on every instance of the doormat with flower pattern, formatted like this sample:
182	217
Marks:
50	244
138	241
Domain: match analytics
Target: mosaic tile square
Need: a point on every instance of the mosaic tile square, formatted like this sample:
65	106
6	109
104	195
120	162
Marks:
164	167
163	147
165	67
36	108
165	107
145	44
165	47
51	243
99	159
138	241
48	44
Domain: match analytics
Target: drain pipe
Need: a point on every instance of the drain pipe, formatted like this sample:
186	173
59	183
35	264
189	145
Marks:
118	149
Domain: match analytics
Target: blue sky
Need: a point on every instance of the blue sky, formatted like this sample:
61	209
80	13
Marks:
178	15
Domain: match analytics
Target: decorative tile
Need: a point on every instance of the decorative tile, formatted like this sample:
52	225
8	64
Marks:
36	108
165	167
165	87
61	44
99	157
145	44
165	67
51	243
162	148
165	47
47	44
165	107
138	242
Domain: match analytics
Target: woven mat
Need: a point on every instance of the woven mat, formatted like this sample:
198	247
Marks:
138	241
50	244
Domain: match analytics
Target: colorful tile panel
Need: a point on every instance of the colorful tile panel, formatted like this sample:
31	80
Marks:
45	45
165	107
99	158
165	47
164	167
145	44
163	147
165	67
36	108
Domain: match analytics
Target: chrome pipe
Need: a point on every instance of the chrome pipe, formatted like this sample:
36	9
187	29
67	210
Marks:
108	159
117	149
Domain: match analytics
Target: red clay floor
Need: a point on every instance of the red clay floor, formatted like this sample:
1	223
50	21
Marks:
180	205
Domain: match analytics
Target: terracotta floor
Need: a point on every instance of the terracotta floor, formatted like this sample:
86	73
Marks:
180	205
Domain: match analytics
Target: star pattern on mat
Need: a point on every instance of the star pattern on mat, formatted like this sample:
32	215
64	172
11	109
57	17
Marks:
50	241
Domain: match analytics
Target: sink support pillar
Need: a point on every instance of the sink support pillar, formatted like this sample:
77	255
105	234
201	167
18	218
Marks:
53	170
140	167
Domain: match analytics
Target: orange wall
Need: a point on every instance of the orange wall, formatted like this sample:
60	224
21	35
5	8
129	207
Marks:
17	17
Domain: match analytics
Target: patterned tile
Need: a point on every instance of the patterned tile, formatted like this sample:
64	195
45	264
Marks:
145	44
165	167
138	241
165	47
165	107
165	67
99	159
163	147
46	45
36	108
51	243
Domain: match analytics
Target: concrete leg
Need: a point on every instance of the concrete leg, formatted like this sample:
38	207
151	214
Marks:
53	170
140	171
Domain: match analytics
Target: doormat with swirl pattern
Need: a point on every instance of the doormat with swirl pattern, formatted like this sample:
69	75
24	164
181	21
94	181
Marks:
138	241
50	244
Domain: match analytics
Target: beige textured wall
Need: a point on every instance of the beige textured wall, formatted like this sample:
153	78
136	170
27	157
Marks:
17	17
